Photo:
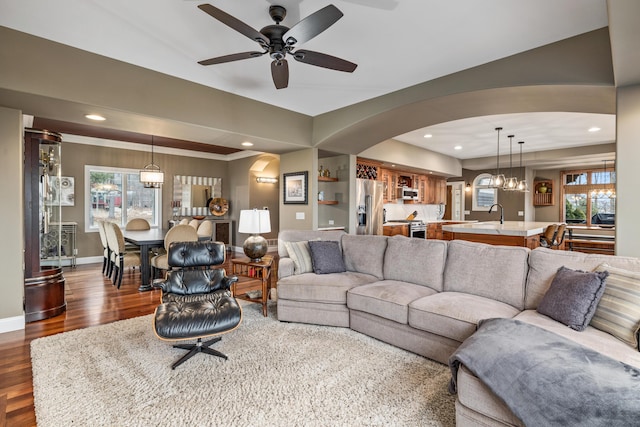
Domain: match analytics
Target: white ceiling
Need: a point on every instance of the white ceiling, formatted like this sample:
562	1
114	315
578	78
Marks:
396	44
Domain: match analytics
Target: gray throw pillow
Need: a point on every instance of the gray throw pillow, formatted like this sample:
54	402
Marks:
573	297
326	257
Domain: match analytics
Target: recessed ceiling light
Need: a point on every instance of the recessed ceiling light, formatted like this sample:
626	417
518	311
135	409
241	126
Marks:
95	117
594	129
247	144
428	135
458	147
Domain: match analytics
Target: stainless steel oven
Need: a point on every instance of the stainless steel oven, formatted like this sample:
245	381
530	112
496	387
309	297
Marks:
418	229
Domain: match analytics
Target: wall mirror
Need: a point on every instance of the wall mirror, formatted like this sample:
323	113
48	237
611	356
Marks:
191	194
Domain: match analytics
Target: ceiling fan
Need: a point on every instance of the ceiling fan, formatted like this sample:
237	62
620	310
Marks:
278	41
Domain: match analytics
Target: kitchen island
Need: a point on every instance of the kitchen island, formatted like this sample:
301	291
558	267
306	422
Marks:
511	233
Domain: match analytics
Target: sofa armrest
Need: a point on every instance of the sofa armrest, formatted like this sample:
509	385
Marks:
285	267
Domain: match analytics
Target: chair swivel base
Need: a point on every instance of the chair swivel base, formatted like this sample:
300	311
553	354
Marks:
198	347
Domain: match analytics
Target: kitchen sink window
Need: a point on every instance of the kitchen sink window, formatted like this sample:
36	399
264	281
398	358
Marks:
589	197
483	196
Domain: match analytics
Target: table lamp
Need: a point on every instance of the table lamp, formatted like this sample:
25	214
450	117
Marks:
254	222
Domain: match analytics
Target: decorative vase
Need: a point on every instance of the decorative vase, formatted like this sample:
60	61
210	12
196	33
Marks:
542	189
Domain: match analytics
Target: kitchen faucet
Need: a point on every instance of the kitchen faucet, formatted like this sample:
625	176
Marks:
501	211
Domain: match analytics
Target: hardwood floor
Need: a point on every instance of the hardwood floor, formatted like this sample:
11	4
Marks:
91	300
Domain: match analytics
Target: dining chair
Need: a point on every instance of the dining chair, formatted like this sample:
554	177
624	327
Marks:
120	258
177	233
106	253
205	230
194	223
138	224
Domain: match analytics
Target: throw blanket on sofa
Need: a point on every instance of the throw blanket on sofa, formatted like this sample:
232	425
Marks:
548	380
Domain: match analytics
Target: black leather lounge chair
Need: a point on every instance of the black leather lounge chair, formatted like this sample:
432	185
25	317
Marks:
196	299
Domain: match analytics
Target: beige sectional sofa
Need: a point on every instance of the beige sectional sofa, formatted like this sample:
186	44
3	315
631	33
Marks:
427	296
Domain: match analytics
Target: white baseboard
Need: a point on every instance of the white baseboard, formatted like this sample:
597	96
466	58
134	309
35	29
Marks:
11	324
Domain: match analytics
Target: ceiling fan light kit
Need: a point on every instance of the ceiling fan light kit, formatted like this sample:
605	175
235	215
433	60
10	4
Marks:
278	41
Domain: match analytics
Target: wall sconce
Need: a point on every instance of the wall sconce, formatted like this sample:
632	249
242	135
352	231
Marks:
467	188
266	180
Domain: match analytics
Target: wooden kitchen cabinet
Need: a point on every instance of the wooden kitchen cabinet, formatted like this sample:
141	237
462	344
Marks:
434	230
388	178
396	229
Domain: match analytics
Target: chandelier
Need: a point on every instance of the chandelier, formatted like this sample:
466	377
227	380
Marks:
523	186
497	180
151	176
511	183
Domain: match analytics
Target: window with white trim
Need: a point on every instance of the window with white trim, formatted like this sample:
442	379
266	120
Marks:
117	195
483	196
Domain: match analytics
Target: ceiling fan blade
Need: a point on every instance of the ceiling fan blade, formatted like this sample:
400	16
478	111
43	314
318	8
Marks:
312	25
324	60
234	23
230	58
280	73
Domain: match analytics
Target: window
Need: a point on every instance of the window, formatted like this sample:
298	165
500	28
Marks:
589	197
483	196
117	195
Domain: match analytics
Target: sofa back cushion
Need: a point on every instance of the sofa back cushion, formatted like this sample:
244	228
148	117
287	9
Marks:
496	272
544	263
364	254
418	261
305	235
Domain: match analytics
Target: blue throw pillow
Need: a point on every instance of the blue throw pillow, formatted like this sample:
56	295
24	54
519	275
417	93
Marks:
326	257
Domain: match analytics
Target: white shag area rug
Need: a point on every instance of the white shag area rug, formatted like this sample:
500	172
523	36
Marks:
277	374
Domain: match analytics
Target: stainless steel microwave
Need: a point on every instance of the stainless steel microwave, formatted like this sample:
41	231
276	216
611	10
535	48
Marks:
406	193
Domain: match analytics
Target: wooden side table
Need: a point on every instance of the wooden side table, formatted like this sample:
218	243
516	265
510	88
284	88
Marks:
261	271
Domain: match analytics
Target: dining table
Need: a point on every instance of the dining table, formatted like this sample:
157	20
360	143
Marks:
146	240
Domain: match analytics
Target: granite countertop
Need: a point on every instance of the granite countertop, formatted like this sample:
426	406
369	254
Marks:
509	228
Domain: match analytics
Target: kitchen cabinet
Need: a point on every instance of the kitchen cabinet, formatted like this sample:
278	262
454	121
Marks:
434	230
396	229
389	179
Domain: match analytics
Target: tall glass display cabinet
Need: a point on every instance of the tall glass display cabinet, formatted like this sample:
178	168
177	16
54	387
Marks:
44	279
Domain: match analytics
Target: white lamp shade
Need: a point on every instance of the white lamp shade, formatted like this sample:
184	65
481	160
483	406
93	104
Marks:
151	176
254	221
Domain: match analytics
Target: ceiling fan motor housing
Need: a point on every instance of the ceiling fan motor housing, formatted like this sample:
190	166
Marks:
277	47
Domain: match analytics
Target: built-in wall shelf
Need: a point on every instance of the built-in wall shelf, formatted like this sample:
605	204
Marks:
543	193
327	202
327	179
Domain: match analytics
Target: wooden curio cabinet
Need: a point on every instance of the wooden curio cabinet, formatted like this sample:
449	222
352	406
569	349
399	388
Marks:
44	281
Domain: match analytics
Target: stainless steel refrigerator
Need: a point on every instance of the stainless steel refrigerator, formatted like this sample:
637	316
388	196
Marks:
369	206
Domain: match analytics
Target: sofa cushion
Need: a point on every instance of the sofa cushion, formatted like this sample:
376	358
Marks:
591	337
389	298
494	272
326	257
455	315
305	235
573	297
418	261
543	264
327	288
300	254
364	254
618	311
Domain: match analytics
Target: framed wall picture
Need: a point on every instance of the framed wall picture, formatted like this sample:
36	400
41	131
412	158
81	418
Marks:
295	188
